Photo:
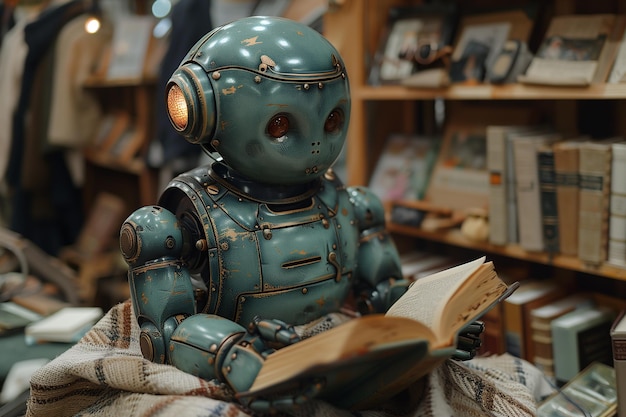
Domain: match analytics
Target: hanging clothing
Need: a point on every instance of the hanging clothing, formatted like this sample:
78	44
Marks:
59	223
12	58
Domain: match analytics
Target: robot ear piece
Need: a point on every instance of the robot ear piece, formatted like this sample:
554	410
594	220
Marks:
190	104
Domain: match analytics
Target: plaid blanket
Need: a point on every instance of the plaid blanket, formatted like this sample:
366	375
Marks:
105	375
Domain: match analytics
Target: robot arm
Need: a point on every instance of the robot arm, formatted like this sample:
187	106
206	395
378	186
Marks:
153	244
161	289
379	275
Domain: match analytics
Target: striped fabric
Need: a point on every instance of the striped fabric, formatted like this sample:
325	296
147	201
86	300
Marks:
105	375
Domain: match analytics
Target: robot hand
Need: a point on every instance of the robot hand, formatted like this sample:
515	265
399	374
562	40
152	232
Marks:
286	403
469	341
273	334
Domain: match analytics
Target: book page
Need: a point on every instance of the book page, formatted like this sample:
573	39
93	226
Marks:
365	339
424	299
470	301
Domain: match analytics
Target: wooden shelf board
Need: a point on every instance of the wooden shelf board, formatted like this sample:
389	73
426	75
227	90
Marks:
455	238
491	92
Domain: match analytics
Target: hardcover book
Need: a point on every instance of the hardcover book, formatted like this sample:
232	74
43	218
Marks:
581	337
548	201
517	331
498	181
594	199
417	334
529	216
566	163
618	348
617	207
541	332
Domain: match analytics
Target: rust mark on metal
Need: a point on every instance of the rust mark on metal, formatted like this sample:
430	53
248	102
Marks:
230	90
251	41
232	234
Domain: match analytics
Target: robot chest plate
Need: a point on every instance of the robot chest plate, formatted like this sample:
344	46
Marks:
295	266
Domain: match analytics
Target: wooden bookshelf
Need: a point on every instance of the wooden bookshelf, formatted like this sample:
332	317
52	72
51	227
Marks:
492	92
454	237
380	110
125	174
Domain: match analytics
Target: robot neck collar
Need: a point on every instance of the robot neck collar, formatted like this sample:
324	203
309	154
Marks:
265	193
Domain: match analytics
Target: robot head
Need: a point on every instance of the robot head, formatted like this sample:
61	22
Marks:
270	95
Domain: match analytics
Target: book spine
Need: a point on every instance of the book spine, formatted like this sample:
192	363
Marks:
543	357
618	348
567	194
511	194
547	191
528	198
595	179
617	216
496	165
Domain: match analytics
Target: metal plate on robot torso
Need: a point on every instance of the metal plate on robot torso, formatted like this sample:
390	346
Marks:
303	266
271	260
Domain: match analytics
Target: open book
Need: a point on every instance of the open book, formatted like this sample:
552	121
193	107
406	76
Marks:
371	358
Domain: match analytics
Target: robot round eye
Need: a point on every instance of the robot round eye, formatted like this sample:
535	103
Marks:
177	107
278	126
334	121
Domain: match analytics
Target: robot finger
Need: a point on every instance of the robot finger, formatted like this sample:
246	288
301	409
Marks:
287	403
275	331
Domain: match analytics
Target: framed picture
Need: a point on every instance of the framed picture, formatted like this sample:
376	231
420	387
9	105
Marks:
460	180
417	38
482	37
476	51
131	39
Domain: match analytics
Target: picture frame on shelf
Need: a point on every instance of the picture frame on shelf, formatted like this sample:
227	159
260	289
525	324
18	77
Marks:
404	166
476	51
481	39
416	39
132	36
460	179
577	50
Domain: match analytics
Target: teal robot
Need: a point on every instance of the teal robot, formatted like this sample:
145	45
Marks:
266	237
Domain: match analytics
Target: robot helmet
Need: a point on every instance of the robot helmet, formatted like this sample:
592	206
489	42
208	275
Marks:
270	95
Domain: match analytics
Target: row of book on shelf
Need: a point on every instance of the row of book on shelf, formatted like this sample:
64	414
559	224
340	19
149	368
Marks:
543	191
562	196
560	330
